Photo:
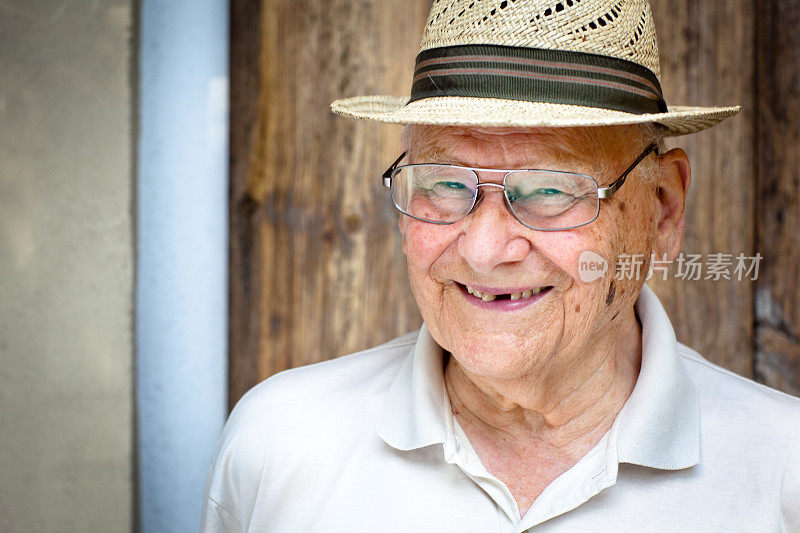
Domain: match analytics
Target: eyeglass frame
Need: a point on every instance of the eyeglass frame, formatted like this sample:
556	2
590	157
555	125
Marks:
603	193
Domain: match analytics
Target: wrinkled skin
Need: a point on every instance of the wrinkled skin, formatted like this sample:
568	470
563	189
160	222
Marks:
557	371
490	247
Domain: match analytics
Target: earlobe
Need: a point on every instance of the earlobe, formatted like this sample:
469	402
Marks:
674	176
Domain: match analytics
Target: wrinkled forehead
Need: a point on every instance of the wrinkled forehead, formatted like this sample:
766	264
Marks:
522	147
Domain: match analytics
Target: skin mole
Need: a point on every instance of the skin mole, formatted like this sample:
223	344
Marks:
611	291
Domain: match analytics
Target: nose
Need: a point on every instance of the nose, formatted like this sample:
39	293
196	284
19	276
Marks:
491	235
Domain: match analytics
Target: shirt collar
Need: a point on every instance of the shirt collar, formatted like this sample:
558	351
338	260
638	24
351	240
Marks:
659	425
660	422
413	414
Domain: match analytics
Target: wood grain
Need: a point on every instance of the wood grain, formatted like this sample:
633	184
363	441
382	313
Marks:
246	155
316	265
707	59
777	356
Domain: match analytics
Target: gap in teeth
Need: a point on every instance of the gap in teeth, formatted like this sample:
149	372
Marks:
513	296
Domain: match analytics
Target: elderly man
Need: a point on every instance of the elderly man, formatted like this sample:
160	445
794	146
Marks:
531	397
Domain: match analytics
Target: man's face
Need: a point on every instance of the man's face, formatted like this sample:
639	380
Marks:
491	251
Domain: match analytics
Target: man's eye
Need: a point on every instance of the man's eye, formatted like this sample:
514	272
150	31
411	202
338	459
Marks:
535	194
546	192
451	185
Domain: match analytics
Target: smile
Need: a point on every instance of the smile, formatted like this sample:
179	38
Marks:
499	299
487	297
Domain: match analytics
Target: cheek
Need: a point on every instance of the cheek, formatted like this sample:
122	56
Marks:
424	243
642	215
568	250
630	224
629	238
589	256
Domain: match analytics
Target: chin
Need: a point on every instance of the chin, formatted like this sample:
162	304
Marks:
488	356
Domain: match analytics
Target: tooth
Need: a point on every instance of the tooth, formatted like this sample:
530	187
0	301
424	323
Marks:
488	297
527	294
536	291
470	289
516	295
477	293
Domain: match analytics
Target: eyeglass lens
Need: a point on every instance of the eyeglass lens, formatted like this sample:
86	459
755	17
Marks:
546	200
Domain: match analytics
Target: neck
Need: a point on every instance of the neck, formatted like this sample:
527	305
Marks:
563	408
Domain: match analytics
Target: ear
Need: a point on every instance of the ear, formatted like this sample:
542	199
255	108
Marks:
674	175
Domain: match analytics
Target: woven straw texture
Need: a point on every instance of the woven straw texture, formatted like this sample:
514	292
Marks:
617	28
622	29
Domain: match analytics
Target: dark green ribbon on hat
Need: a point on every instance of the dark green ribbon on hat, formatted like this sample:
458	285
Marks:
537	75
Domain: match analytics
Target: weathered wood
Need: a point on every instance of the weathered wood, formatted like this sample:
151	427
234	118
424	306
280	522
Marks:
246	155
777	358
316	266
707	59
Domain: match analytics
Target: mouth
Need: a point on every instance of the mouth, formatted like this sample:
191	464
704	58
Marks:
509	299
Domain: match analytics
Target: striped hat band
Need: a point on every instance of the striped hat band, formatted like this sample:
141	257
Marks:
537	75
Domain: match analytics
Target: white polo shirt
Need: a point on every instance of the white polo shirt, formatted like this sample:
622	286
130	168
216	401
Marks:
367	442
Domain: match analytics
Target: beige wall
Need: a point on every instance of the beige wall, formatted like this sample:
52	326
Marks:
66	266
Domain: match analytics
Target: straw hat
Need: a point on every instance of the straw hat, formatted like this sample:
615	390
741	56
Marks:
537	63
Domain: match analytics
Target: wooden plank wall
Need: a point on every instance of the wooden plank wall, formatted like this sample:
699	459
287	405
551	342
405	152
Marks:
316	266
776	128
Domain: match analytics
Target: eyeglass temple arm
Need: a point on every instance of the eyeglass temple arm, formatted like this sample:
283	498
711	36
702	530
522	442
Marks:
387	176
608	192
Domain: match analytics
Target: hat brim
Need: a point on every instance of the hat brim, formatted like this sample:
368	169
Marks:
493	112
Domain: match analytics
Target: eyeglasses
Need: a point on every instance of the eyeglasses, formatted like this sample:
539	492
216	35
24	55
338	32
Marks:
545	200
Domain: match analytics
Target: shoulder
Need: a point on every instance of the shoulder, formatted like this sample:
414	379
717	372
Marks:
298	413
749	428
727	393
320	389
320	394
744	420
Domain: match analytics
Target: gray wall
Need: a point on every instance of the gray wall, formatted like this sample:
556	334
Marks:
66	265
